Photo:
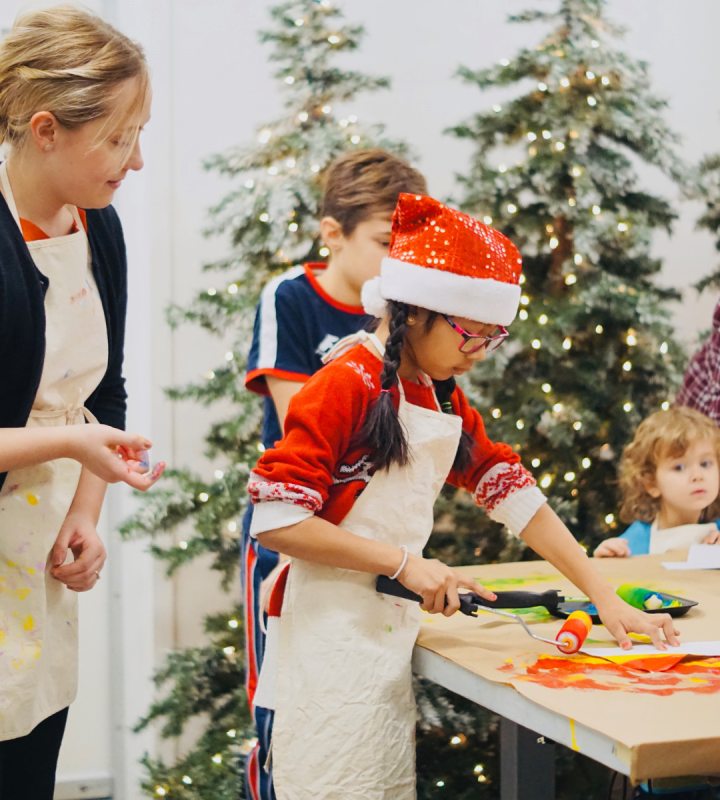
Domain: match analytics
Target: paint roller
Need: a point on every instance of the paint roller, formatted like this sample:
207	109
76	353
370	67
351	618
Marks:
569	640
637	597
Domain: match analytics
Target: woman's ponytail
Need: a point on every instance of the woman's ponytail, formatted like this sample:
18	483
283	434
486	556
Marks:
383	432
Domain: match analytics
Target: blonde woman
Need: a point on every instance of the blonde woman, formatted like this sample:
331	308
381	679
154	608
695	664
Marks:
74	95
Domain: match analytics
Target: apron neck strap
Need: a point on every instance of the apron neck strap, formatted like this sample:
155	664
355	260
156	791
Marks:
10	200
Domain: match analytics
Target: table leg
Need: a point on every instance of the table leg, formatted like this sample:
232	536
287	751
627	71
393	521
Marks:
527	764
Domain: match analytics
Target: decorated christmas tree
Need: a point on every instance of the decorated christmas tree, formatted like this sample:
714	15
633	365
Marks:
709	193
592	352
270	219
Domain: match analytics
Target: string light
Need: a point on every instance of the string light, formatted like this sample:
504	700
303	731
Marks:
344	123
542	86
532	136
261	447
549	228
572	201
183	545
536	344
591	101
456	740
497	109
605	80
590	75
542	319
326	109
159	790
578	259
577	425
558	407
522	280
596	210
219	474
187	780
586	462
303	116
546	388
567	344
627	366
627	407
324	252
622	226
478	769
440	783
576	171
232	733
333	39
664	348
559	145
523	314
265	135
631	340
229	356
595	43
289	80
290	163
532	151
496	413
210	375
217	759
212	291
570	279
203	497
564	82
545	481
599	329
299	23
355	139
233	623
569	476
264	217
524	300
520	424
315	168
487	220
610	518
232	526
228	650
553	243
512	208
292	227
546	134
535	462
665	406
352	118
249	184
505	62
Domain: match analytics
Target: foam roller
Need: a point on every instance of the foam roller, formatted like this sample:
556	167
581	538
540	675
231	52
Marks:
573	633
637	597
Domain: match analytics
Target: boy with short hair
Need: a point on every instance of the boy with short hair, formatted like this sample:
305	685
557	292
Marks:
302	313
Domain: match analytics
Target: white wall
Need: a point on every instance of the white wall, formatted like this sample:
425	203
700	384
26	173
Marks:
213	88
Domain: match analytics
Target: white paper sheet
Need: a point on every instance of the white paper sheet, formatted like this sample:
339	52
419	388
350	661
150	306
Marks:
639	650
700	556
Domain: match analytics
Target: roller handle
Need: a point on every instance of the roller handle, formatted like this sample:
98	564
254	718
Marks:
468	601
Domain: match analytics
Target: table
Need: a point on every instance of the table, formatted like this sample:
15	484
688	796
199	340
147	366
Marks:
652	725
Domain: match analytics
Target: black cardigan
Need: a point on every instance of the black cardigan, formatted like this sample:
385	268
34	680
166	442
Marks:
22	319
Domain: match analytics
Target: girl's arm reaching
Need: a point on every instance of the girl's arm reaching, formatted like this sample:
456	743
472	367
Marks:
549	537
316	540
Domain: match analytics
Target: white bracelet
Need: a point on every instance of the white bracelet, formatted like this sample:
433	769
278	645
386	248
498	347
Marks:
402	566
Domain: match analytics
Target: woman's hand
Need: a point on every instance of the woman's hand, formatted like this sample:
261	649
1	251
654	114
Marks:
621	619
613	548
712	538
113	455
78	534
434	581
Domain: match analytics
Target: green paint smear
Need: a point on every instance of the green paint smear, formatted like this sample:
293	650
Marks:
515	582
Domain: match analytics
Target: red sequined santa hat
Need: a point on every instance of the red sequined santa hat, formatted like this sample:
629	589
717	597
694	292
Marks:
446	261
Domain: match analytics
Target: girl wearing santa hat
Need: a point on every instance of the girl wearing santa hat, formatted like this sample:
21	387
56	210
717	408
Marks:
349	492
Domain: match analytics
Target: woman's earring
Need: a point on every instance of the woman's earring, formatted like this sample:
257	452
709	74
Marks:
411	320
48	147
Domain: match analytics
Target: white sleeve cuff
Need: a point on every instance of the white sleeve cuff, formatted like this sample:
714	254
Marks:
518	509
275	514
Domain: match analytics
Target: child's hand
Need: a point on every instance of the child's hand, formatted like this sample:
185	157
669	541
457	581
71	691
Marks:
612	548
434	581
712	538
620	619
113	455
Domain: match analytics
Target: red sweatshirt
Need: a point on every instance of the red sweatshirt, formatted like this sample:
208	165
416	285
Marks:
316	470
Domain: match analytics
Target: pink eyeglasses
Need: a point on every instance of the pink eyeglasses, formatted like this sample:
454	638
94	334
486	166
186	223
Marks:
472	342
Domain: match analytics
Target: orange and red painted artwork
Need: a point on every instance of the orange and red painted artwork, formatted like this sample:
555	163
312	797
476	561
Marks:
656	675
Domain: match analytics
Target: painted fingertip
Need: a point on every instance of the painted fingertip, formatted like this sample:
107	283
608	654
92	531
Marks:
493	596
626	645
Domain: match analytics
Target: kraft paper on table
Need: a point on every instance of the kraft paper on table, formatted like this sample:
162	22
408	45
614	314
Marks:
666	736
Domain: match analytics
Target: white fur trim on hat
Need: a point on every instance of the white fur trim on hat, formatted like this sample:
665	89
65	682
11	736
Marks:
372	300
478	299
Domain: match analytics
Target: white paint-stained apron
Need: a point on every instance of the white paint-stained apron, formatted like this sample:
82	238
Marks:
345	711
38	615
